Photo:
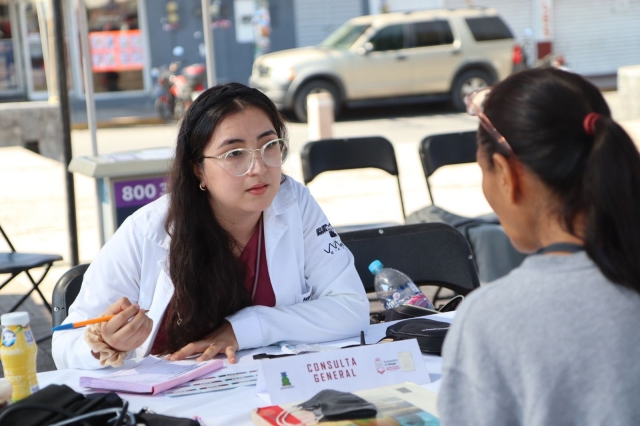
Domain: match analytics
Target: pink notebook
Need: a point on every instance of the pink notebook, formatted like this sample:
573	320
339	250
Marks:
152	375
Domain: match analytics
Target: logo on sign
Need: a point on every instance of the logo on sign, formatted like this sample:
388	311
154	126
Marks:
139	192
379	366
8	338
285	380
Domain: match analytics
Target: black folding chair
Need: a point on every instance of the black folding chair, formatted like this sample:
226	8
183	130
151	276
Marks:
446	149
429	253
350	153
66	291
494	254
14	263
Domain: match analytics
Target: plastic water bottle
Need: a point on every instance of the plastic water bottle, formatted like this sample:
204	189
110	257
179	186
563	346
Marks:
395	288
18	353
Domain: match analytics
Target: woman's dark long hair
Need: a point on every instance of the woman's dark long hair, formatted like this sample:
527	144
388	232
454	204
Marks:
208	281
596	177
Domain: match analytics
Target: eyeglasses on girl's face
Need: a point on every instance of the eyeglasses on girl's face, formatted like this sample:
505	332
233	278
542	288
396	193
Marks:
475	103
238	162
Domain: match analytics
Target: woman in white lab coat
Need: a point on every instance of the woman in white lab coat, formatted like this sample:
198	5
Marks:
236	256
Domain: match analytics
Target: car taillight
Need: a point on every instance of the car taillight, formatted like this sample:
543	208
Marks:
517	55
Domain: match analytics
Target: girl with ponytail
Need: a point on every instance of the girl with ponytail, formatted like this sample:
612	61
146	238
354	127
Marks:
557	340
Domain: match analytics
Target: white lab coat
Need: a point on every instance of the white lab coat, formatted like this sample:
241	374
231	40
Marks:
319	295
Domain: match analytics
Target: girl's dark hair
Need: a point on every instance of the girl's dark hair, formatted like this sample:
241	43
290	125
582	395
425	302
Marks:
208	280
541	114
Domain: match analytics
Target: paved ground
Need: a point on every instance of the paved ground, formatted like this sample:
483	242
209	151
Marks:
32	200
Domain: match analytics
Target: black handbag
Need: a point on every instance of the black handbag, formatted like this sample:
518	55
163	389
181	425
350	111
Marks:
430	334
57	403
410	311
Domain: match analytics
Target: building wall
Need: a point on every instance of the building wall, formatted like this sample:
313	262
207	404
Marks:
377	6
162	42
315	20
595	37
233	60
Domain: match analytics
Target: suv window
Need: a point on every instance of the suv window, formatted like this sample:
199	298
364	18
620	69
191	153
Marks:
388	38
432	33
344	37
489	28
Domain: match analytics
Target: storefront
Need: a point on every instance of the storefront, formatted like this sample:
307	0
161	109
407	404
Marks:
128	38
20	39
117	35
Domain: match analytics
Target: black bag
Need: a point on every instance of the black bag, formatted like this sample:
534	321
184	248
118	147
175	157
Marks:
429	333
56	403
493	252
410	311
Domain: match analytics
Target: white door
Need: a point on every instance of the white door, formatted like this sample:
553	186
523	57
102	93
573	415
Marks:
34	53
11	78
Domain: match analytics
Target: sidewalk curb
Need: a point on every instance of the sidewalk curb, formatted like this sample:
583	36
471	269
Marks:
120	122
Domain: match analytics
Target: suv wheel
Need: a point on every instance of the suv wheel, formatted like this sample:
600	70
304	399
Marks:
315	86
466	83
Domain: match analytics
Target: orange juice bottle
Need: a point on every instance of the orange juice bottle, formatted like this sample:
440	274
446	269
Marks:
18	354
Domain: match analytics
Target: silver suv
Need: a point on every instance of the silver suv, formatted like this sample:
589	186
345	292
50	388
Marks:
394	57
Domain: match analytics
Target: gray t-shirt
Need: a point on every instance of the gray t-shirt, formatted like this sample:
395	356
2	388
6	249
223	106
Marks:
552	343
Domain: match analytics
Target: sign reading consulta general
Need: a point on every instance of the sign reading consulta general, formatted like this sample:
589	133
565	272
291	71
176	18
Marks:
299	377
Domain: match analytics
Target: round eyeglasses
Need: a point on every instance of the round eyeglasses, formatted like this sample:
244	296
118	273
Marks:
475	103
238	162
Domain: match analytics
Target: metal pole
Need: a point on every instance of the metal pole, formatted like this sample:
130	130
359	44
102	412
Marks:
83	30
63	93
44	23
208	43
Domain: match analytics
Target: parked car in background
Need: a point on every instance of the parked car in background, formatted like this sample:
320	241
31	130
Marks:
394	57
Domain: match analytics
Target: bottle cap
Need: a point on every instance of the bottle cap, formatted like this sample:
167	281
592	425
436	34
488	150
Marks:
375	267
15	318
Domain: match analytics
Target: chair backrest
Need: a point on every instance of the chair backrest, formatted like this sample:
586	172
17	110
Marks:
66	291
349	153
429	253
446	149
6	238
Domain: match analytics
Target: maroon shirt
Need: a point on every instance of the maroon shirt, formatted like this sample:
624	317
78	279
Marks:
264	290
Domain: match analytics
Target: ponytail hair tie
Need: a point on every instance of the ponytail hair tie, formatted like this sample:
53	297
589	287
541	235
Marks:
589	123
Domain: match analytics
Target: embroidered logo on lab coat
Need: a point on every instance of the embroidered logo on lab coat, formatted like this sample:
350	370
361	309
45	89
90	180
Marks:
334	247
326	228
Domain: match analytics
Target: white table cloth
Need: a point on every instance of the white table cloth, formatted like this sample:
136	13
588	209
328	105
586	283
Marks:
227	407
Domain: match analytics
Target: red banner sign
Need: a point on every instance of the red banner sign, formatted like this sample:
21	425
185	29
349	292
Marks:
116	50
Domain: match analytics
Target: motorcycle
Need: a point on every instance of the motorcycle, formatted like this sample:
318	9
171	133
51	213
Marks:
176	91
552	60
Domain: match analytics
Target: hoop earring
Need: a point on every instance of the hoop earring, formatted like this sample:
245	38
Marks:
202	188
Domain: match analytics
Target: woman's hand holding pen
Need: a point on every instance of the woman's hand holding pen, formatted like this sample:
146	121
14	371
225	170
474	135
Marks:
129	327
222	340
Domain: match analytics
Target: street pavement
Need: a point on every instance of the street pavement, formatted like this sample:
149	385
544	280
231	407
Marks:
33	195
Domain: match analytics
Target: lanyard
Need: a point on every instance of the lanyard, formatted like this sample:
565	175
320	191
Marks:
258	256
566	247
